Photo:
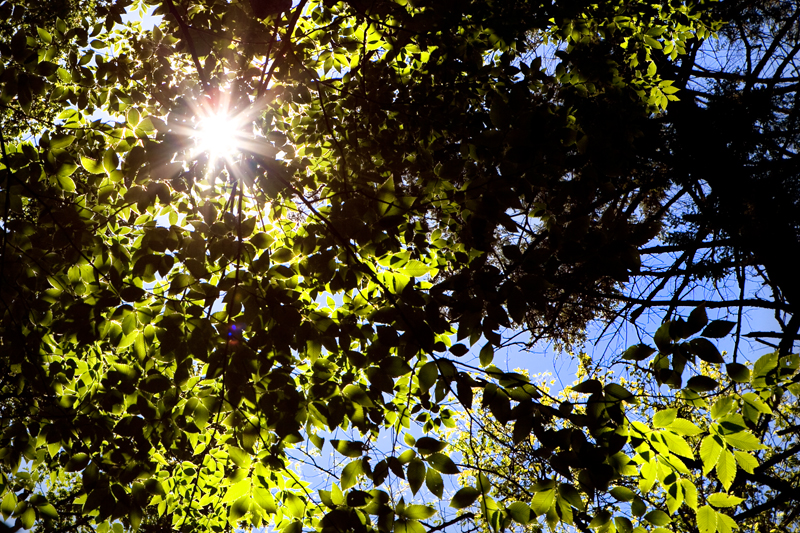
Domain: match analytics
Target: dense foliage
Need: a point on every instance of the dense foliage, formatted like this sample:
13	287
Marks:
188	324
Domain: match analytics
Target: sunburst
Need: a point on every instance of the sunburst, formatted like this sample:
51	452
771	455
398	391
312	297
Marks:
221	132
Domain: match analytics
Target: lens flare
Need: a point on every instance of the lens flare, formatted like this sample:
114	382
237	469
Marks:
219	134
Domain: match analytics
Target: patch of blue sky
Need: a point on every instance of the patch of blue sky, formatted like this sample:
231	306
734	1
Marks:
143	14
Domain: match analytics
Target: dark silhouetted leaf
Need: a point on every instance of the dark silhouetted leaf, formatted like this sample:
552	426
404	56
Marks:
718	329
702	384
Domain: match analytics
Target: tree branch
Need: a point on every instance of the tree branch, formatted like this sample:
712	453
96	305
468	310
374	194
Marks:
465	516
189	42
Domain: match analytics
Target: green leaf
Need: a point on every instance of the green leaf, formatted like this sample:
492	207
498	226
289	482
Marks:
664	418
48	511
638	507
744	440
674	498
261	240
657	517
571	495
706	519
293	527
522	429
72	116
64	171
133	117
92	166
408	526
350	473
415	474
395	367
69	115
726	469
710	450
418	512
406	456
28	517
648	471
237	490
600	519
638	352
721	407
590	386
753	400
238	509
358	395
358	498
263	497
738	372
720	499
689	493
154	487
428	445
240	457
66	183
726	524
678	445
61	141
623	524
746	461
155	383
77	462
348	448
8	505
702	384
44	35
519	513
110	160
415	268
543	501
294	504
662	338
623	494
486	355
614	390
681	426
427	375
464	497
692	398
443	463
458	350
434	482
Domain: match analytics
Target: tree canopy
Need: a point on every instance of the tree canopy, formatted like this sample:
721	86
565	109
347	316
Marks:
263	232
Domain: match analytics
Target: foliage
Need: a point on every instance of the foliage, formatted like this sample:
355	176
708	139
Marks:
637	457
411	179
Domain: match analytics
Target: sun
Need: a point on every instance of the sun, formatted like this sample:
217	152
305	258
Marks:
219	135
224	130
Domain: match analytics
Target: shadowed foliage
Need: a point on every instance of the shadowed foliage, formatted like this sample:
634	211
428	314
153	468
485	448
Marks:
409	186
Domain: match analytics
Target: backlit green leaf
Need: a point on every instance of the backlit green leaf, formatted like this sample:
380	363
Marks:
443	463
720	499
464	497
706	519
726	469
236	491
664	418
657	517
92	166
415	474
